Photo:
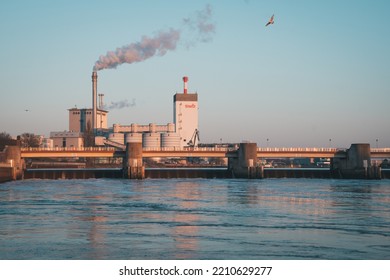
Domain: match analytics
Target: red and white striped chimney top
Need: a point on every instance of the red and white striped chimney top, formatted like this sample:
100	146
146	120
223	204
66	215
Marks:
185	80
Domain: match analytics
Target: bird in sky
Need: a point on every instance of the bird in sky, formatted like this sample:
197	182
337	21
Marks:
271	21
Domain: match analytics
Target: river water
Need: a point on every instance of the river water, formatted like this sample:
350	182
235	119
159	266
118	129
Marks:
195	219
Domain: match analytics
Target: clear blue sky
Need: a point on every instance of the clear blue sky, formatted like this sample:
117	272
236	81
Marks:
321	72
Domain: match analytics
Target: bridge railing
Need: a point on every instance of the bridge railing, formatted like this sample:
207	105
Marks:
187	149
327	150
380	150
201	149
69	149
147	149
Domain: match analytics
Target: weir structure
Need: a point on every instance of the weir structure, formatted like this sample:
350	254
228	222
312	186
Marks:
243	162
353	163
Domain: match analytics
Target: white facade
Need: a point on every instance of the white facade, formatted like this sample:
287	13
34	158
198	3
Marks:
81	119
67	139
185	116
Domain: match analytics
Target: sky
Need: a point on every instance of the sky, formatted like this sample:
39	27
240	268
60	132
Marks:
318	77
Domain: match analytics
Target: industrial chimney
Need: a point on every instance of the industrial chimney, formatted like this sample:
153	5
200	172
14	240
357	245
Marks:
94	101
185	80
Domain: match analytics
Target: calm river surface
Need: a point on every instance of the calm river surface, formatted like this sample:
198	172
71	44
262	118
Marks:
195	219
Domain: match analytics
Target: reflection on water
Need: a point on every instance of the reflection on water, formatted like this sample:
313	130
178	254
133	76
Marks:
195	219
186	229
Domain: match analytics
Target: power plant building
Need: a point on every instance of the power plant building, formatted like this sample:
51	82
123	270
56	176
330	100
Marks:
67	139
80	120
185	115
180	133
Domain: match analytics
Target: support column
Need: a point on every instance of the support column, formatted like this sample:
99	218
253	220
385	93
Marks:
355	163
13	155
132	164
245	165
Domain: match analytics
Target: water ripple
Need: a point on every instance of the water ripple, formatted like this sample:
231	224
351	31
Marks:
195	219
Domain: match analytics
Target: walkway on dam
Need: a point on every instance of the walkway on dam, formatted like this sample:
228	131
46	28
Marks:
194	152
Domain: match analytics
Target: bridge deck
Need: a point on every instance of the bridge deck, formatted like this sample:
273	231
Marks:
193	152
67	152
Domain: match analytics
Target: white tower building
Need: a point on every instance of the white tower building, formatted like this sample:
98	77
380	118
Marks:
185	115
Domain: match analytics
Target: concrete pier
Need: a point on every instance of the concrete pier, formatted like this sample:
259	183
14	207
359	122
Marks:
354	163
133	164
12	156
245	165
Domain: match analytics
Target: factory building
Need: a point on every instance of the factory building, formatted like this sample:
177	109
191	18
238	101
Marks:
185	115
151	135
67	139
182	132
80	120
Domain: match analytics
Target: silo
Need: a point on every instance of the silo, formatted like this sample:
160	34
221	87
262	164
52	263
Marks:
134	127
117	137
152	127
171	127
170	140
151	140
133	138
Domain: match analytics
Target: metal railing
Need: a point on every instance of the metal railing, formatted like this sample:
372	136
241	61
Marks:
69	149
320	150
187	149
380	150
200	149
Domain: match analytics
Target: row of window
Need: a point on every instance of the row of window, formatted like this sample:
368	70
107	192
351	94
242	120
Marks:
78	113
88	113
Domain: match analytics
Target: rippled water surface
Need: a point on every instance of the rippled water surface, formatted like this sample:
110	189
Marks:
195	219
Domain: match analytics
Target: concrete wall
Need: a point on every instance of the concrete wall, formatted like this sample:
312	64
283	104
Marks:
133	163
6	174
13	157
79	119
72	139
245	165
355	163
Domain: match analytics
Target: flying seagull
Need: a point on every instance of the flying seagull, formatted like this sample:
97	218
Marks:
271	21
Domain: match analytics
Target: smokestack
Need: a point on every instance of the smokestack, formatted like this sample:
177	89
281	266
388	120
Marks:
185	80
94	101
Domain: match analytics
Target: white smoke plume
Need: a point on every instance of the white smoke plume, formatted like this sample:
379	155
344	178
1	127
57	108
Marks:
160	44
201	24
140	51
120	105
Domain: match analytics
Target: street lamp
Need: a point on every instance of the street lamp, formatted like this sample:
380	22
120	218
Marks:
376	143
330	142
